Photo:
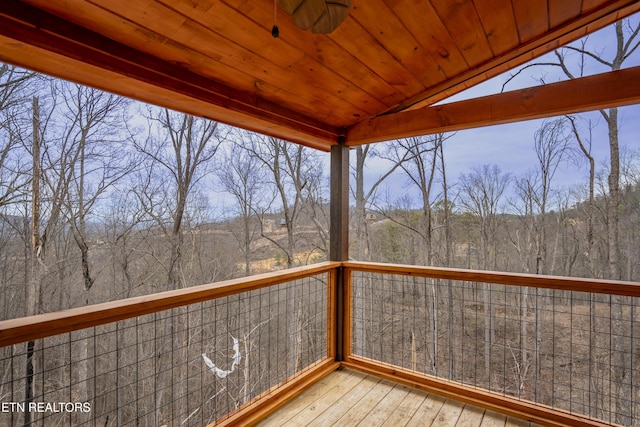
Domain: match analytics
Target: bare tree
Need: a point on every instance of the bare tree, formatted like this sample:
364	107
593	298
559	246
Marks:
481	192
77	156
242	176
551	146
15	178
292	171
37	253
585	144
14	167
95	157
364	191
523	239
179	153
446	209
317	209
627	41
182	146
364	198
124	226
534	190
630	180
421	158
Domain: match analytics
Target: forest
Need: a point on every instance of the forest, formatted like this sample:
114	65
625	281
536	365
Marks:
103	198
115	198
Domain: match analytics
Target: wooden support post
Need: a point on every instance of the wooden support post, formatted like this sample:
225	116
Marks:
339	228
339	231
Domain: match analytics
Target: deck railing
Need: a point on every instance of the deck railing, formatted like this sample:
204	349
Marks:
180	358
541	348
548	349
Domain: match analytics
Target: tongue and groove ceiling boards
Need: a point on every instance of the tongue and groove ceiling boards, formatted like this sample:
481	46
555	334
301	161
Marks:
374	77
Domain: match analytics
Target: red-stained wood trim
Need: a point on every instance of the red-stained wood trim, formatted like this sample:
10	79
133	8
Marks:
34	327
261	111
557	37
332	312
277	396
33	27
347	323
616	88
530	411
43	61
610	287
45	325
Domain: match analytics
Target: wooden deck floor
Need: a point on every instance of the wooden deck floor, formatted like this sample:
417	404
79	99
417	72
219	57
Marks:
349	398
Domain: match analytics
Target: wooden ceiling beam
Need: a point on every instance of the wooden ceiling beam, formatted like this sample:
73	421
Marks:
34	28
617	88
566	33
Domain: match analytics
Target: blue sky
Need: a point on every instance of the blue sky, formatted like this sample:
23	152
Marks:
511	146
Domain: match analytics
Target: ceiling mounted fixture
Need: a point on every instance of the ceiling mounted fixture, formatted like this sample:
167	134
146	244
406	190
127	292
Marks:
322	16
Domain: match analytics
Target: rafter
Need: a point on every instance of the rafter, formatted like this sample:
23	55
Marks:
570	31
40	40
218	60
606	90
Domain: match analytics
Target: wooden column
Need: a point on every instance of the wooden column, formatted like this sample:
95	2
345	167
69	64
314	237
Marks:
339	203
339	234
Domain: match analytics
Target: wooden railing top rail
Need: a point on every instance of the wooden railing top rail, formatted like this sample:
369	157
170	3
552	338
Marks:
44	325
611	287
24	329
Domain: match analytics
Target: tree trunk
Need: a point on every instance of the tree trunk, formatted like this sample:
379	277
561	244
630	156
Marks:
37	254
613	237
447	217
360	217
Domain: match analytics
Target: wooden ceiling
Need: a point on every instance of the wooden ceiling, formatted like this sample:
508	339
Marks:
371	79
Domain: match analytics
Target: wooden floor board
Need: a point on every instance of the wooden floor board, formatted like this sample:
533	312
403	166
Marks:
351	398
450	413
516	422
407	408
428	412
392	400
368	402
332	415
317	398
493	419
328	400
471	416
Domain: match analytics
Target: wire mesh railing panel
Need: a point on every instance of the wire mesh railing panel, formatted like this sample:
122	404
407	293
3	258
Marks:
575	351
188	366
